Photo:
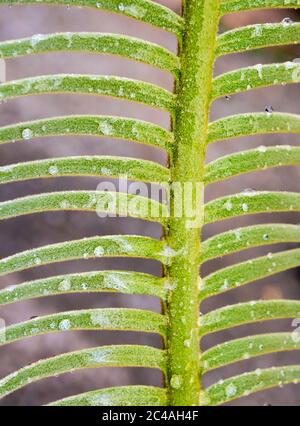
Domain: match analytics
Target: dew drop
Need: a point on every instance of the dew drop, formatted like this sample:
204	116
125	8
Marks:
65	285
249	191
27	134
245	207
99	251
269	109
228	205
64	324
287	21
230	390
176	381
262	148
53	170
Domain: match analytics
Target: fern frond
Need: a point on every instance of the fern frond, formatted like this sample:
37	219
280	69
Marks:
116	87
260	158
123	396
246	348
96	43
255	77
115	203
97	166
96	282
142	10
180	251
253	124
247	313
89	319
232	6
103	356
249	271
248	237
257	37
248	383
101	126
250	203
88	248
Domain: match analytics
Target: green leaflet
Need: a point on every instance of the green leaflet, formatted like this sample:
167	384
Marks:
248	347
249	271
102	202
250	203
102	356
85	125
256	37
250	236
89	319
96	43
88	248
133	169
142	10
248	383
254	77
96	281
246	313
231	6
124	396
253	124
116	87
260	158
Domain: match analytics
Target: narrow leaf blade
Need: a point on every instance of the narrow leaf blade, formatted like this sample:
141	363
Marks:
102	281
102	356
248	347
121	319
247	313
124	396
249	383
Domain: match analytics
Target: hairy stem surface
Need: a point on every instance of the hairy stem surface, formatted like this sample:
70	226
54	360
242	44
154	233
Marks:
187	166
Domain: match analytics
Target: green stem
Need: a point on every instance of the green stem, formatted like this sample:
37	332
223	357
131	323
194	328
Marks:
187	166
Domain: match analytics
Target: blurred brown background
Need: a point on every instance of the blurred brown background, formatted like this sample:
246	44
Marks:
23	233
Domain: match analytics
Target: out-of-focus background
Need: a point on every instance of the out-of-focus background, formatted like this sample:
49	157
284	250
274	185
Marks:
34	231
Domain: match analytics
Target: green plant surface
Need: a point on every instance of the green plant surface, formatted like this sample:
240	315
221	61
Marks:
84	125
261	158
102	356
115	87
118	396
240	239
253	124
247	203
89	282
181	251
88	248
96	166
89	319
100	201
248	383
229	6
95	43
255	77
143	10
256	37
247	313
249	271
246	348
